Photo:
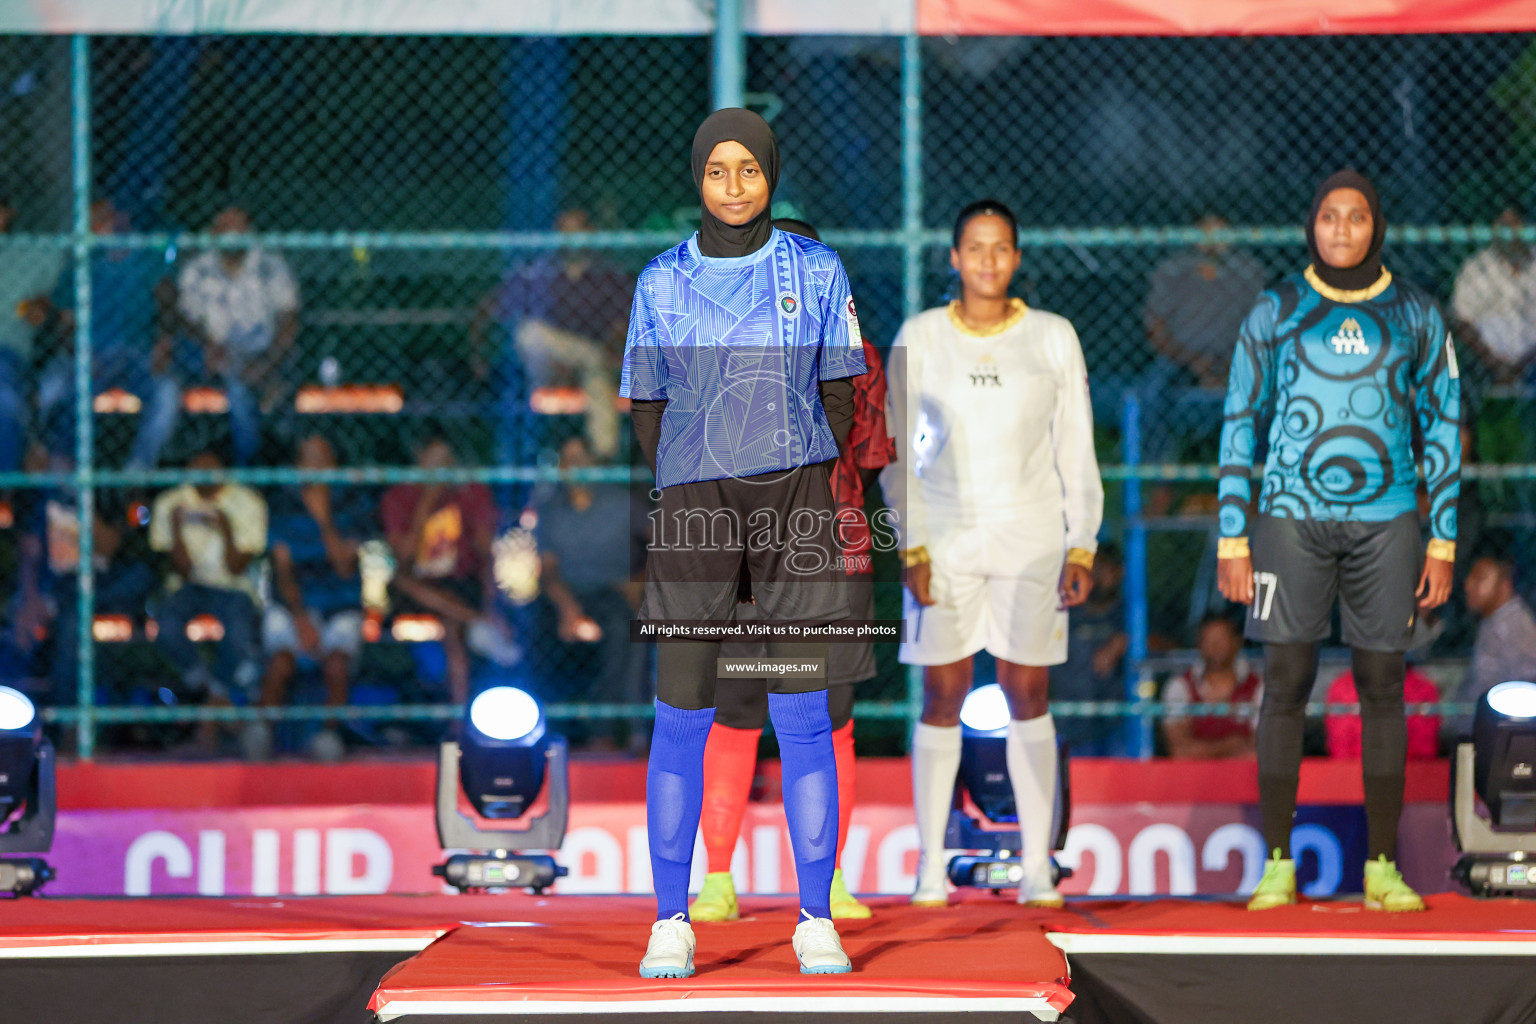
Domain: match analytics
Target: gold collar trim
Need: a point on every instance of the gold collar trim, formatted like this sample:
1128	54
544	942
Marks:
1016	311
1340	295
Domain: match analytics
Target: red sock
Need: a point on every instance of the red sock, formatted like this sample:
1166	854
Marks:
730	757
842	750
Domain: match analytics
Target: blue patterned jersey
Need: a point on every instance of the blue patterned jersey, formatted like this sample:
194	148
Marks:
1343	378
737	347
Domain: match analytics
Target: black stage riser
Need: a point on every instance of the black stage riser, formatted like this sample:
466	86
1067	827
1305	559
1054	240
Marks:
1141	988
722	1017
278	988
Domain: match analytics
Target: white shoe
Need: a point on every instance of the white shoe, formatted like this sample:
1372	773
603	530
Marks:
327	746
486	638
932	884
670	952
256	741
818	948
1037	890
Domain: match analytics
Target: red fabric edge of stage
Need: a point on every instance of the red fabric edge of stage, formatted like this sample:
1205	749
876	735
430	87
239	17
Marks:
640	990
119	786
1220	17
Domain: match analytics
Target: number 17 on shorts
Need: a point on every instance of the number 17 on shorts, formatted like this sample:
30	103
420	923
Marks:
1264	586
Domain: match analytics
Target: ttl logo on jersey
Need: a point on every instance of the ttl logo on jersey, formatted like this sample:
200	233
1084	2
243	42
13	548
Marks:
984	374
789	304
1350	341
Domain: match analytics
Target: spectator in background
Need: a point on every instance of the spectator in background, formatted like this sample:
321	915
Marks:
566	318
441	535
592	540
28	275
317	617
213	534
1495	299
1505	647
49	575
1221	676
132	300
1344	731
242	305
1095	665
1197	302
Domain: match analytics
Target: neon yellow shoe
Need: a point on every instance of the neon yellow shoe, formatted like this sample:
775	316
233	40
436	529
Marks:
1278	886
844	906
1386	890
717	900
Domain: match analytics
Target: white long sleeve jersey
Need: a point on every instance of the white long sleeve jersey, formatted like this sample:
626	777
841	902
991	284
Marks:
994	428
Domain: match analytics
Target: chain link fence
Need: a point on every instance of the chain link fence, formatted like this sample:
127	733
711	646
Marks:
421	250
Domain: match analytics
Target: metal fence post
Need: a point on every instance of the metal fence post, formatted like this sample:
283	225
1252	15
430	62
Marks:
912	244
1139	730
912	174
85	454
730	55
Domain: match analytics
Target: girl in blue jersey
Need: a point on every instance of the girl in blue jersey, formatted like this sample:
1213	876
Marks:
1345	362
741	343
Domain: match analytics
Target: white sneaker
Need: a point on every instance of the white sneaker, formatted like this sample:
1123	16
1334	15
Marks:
932	884
1037	890
327	746
670	953
256	741
818	948
486	638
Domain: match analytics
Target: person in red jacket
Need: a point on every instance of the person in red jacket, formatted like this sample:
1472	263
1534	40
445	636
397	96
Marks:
1344	731
730	757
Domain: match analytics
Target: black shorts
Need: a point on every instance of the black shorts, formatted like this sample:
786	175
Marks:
776	531
1301	565
846	662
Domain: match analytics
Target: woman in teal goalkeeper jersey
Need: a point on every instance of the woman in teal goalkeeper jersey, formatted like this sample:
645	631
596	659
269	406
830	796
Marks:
1345	363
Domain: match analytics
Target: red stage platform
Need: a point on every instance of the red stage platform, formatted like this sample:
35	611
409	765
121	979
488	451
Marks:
445	959
580	956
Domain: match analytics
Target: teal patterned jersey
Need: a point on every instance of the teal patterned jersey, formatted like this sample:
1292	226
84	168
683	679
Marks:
1344	379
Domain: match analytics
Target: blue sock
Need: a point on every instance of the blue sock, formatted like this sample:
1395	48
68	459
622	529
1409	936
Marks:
804	729
674	796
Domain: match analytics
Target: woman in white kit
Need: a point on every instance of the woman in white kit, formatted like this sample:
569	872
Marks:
998	503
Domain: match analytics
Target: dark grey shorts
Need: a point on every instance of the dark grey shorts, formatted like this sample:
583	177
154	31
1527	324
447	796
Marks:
1300	566
775	531
846	662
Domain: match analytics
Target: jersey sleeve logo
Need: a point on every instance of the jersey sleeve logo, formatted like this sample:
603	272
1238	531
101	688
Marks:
855	337
1350	341
789	304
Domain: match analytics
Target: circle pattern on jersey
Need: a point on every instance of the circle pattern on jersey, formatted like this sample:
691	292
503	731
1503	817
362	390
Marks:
789	304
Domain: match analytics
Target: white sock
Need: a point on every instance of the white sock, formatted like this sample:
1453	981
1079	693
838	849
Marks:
935	763
1032	770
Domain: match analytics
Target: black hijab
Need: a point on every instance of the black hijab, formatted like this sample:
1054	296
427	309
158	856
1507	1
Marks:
1365	273
733	124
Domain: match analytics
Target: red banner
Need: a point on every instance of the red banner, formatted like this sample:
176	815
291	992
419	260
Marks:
1219	17
1138	828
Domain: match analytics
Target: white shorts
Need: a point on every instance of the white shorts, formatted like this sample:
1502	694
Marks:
996	588
340	631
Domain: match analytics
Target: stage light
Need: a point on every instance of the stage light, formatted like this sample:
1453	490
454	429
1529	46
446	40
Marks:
501	764
1498	766
505	713
985	710
1504	739
984	718
17	713
27	795
502	752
